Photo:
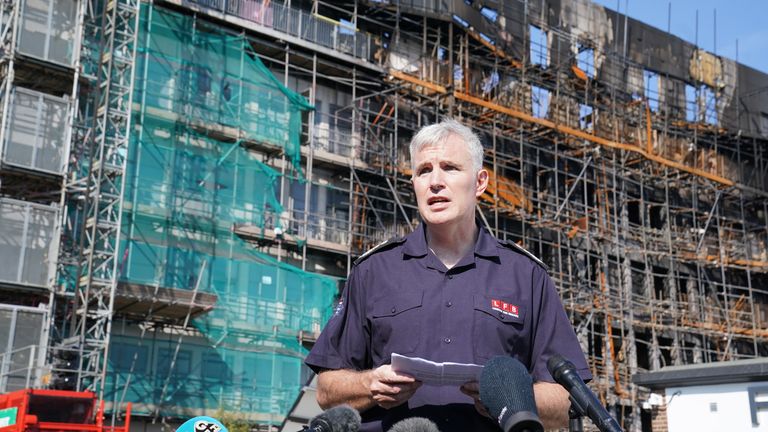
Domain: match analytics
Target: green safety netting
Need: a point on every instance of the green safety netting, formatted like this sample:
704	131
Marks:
206	75
187	187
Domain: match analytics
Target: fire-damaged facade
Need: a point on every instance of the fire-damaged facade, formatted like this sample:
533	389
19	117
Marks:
632	162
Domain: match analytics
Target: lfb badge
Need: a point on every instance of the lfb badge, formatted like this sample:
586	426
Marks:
206	426
202	424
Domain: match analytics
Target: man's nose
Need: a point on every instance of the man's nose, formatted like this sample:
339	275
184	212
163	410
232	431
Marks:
436	179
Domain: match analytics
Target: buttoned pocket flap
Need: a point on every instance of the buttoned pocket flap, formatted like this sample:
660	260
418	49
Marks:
397	303
504	309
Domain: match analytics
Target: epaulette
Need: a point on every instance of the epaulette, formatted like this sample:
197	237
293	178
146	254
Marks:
512	245
386	244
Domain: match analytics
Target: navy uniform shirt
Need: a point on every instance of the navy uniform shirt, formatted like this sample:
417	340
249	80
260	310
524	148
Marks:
401	299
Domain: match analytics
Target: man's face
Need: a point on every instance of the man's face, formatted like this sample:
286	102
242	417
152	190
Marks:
446	184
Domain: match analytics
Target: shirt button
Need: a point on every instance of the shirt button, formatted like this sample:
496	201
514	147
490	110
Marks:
394	310
450	276
447	340
448	304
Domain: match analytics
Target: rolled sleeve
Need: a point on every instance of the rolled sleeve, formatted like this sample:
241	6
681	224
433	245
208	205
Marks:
344	343
553	333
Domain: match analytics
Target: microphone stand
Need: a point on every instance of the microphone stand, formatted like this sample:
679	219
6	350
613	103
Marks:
575	417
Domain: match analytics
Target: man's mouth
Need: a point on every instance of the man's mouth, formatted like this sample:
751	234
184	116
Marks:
437	200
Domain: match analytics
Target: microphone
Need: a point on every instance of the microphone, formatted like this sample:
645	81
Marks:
564	372
506	390
414	424
342	418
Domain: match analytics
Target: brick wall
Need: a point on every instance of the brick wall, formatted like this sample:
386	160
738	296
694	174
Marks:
659	418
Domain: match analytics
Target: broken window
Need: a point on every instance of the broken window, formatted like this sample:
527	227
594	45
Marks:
461	21
585	60
708	104
701	104
585	117
690	103
651	84
538	46
489	13
540	98
490	82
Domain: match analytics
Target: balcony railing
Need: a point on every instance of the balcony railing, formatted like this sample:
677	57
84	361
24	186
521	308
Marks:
19	369
295	22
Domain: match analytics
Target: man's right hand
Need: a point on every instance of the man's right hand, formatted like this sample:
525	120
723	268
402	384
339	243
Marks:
390	388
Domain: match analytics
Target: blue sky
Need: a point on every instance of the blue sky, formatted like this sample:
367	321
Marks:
745	20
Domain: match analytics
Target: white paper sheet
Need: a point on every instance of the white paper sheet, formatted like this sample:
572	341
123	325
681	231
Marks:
430	372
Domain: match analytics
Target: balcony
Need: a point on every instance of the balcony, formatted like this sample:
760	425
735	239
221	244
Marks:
317	29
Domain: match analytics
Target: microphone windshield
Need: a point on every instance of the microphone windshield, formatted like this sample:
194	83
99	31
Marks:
506	390
414	424
342	418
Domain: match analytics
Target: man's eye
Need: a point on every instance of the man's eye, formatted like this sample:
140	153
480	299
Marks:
422	171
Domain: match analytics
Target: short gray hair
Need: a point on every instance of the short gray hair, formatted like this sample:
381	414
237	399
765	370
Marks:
439	132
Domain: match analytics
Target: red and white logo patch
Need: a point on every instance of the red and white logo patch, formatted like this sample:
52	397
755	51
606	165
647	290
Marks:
505	308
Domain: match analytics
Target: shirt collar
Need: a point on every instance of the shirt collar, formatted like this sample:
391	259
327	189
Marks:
486	244
416	242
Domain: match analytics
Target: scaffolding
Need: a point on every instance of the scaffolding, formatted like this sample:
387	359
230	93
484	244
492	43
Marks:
103	61
222	324
641	184
255	138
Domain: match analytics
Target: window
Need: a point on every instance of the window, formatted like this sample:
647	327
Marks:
538	46
690	103
585	117
489	14
585	60
461	21
263	372
540	100
214	367
651	84
708	105
122	355
182	367
701	105
38	131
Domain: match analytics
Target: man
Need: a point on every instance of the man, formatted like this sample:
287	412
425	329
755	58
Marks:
449	291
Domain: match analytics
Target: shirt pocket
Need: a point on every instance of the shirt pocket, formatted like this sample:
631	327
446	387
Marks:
499	328
396	325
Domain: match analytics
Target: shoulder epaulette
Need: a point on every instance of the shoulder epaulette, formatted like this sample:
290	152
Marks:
386	244
516	247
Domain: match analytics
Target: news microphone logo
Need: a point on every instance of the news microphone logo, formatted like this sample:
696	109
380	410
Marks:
202	424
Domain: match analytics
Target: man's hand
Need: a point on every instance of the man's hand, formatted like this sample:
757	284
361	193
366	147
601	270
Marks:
472	389
389	388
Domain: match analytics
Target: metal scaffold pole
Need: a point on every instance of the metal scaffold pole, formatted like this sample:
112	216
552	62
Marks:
89	256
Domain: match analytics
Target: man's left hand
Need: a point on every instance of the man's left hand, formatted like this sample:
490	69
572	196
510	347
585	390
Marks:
472	389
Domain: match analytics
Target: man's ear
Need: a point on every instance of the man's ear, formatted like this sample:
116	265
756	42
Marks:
482	182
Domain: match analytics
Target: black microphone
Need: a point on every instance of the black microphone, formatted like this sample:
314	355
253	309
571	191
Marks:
342	418
564	372
506	390
415	424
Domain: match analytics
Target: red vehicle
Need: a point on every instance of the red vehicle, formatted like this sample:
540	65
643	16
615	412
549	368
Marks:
33	410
